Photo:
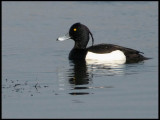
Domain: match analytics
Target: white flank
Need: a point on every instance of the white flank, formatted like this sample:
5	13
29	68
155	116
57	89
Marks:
117	57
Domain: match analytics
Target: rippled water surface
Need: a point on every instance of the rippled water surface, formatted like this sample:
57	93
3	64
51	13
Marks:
38	80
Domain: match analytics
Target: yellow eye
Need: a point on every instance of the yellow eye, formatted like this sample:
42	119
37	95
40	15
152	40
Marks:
75	29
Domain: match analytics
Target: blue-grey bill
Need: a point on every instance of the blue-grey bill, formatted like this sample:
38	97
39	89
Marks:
65	37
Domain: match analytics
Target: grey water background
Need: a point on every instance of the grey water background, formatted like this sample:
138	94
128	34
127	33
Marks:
38	80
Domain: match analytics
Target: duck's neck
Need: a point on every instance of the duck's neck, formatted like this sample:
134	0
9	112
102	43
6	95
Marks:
82	42
79	46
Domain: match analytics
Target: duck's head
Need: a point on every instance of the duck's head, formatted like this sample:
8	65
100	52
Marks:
80	34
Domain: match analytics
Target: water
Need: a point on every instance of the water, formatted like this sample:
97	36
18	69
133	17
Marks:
38	80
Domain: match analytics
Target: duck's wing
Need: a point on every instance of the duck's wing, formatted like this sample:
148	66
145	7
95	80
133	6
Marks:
107	48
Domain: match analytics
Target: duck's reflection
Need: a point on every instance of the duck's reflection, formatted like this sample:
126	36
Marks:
78	77
105	69
79	73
